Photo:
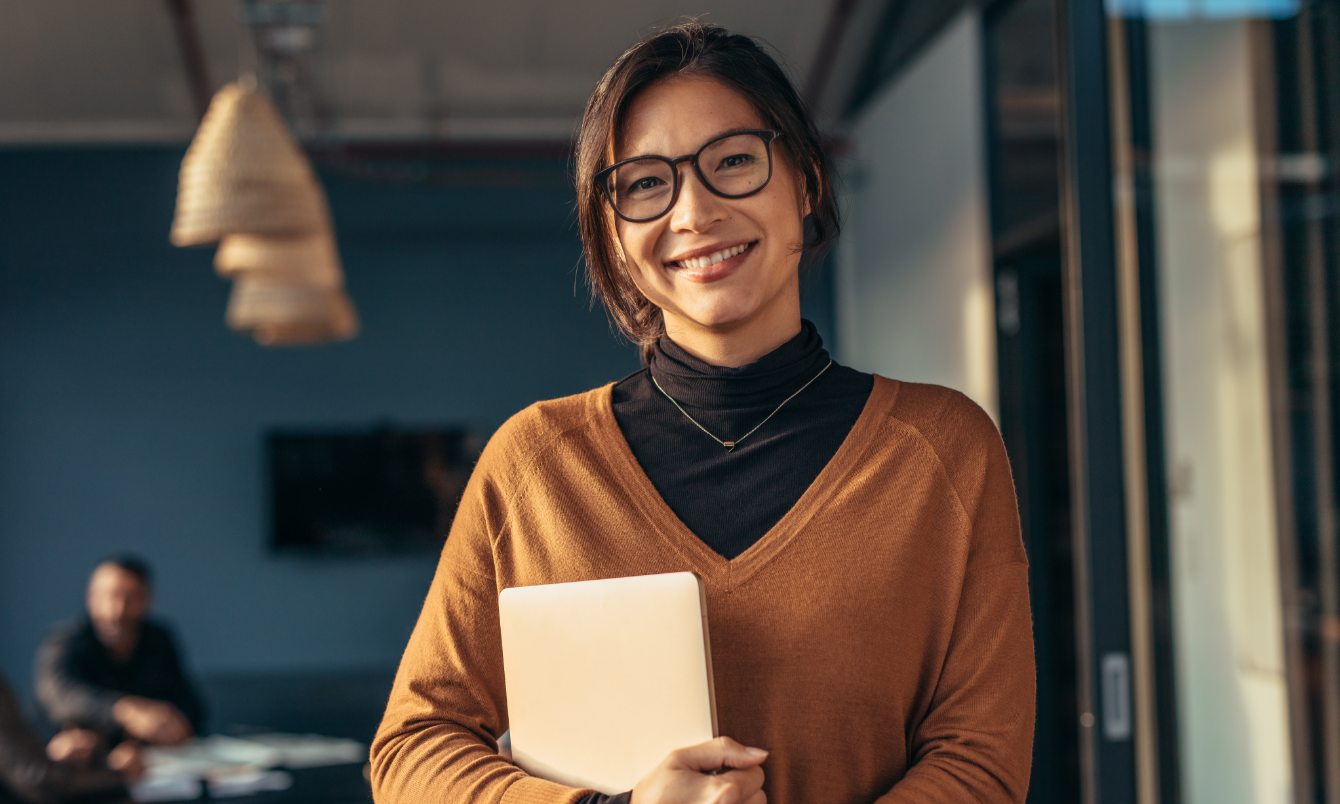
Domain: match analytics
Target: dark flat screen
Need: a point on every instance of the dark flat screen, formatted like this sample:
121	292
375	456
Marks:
384	491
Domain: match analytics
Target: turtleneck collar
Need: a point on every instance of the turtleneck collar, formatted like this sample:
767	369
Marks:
766	381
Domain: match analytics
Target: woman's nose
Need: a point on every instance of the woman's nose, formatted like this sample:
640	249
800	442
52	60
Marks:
697	207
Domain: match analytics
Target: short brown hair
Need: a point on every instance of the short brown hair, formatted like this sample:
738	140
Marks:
699	50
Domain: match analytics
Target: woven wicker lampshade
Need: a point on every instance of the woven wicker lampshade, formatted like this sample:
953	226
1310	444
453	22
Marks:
243	173
311	258
343	324
279	309
289	291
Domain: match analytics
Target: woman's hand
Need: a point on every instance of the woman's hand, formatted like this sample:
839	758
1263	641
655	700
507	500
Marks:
690	776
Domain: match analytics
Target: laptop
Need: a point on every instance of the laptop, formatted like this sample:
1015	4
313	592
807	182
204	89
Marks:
604	678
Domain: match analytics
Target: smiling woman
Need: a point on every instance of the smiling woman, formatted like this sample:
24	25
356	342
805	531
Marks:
857	537
715	254
735	112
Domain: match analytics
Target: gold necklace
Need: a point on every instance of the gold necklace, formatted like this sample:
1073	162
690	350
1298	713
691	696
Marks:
730	445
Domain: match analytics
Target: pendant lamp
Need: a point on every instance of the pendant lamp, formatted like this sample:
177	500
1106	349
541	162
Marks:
244	173
341	325
278	309
312	256
289	290
246	184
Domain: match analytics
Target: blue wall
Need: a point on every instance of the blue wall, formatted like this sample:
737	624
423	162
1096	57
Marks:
131	418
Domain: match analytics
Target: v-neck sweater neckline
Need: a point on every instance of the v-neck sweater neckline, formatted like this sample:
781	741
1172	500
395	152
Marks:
713	567
787	413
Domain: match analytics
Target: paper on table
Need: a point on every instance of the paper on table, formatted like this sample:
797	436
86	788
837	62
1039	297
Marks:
165	788
245	780
233	766
310	750
203	754
175	773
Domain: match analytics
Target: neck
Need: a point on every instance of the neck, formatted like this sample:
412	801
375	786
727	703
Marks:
123	648
734	345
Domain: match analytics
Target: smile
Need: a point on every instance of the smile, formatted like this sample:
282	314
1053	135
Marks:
708	260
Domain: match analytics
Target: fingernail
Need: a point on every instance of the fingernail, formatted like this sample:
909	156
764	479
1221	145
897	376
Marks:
758	752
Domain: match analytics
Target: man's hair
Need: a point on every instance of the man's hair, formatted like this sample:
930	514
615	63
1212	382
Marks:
133	564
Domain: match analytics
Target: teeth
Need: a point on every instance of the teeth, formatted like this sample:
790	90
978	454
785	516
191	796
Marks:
696	263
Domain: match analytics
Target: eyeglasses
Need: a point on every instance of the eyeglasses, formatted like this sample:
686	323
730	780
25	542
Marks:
733	165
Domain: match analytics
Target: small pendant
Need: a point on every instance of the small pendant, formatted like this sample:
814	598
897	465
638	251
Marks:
729	445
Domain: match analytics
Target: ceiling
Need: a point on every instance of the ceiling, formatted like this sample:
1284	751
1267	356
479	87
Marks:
97	71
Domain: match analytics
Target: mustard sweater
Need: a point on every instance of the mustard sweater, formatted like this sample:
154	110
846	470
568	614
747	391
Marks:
876	641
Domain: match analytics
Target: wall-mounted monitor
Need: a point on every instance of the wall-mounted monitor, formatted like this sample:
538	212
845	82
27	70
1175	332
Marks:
382	491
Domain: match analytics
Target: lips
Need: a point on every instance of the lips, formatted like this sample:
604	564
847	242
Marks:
715	265
700	261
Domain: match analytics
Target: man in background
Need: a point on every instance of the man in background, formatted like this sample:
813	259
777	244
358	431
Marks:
115	675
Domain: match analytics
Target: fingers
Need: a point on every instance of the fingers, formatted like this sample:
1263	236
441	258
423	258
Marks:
745	757
718	753
173	733
74	746
175	726
127	760
719	770
156	722
747	782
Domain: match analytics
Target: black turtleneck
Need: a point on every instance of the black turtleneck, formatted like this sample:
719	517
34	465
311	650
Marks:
729	499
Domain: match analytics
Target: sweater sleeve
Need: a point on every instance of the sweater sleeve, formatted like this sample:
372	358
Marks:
975	741
437	743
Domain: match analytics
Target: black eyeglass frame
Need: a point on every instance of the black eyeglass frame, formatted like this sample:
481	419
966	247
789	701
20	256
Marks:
765	134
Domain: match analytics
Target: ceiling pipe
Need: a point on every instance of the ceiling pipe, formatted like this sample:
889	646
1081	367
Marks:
192	54
827	54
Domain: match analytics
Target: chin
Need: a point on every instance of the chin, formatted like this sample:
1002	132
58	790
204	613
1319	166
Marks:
111	632
722	317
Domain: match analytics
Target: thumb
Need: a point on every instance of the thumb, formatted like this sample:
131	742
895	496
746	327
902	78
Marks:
718	753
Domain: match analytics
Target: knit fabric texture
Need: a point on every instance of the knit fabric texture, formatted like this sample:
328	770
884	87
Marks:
877	640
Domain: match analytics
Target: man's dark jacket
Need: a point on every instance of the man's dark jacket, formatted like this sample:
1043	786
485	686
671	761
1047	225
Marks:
78	681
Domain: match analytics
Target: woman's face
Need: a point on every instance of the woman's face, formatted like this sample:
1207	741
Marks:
676	117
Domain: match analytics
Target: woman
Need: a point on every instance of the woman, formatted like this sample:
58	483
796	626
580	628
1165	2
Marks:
28	774
859	538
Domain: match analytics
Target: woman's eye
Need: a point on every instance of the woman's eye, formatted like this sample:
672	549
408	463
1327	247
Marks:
644	184
738	160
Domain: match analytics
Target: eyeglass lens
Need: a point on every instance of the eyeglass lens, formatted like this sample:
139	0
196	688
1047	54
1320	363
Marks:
733	166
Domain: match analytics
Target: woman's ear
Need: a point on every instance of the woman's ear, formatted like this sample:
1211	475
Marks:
803	193
804	182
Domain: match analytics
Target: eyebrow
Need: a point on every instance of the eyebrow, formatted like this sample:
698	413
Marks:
718	135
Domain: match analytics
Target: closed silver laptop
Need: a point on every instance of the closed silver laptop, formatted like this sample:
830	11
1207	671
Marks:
604	678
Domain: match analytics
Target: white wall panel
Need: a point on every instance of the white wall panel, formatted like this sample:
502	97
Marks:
915	298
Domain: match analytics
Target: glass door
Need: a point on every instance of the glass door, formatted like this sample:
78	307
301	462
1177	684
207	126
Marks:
1225	118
